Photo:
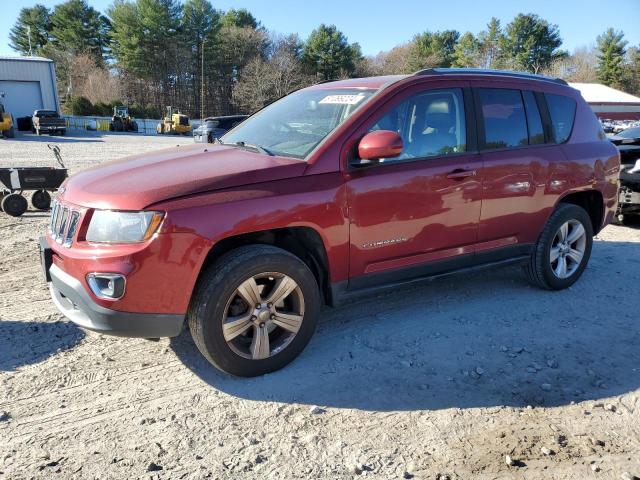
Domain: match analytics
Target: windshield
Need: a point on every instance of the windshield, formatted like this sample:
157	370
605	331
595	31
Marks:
294	125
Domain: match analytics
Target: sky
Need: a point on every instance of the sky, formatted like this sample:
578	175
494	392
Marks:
379	26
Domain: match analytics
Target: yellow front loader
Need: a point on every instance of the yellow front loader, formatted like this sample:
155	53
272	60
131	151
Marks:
174	123
6	124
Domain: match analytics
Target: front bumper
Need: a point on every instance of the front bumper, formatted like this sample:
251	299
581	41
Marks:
77	305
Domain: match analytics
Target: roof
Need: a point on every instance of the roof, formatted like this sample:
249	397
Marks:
382	81
597	93
26	59
489	72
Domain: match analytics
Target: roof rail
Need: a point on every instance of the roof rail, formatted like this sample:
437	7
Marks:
481	71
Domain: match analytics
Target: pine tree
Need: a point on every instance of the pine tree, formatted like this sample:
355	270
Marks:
489	42
241	18
611	52
633	71
465	53
77	27
531	43
31	31
199	25
433	49
327	53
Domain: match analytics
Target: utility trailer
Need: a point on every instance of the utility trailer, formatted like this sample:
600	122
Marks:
40	180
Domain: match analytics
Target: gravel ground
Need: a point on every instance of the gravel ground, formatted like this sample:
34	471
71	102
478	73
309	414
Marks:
439	381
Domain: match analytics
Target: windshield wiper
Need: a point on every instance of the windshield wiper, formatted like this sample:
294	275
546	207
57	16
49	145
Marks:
246	145
258	148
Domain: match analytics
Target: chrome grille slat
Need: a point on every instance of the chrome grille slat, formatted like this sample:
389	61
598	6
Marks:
73	225
62	228
54	214
56	226
63	224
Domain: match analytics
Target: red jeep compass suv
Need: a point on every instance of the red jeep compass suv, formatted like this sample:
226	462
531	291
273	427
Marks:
334	190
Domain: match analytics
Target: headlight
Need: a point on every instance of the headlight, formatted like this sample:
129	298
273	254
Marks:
109	226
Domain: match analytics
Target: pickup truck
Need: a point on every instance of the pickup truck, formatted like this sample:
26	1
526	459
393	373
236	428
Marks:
48	121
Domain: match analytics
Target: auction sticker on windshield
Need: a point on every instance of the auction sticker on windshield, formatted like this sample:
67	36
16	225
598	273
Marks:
343	99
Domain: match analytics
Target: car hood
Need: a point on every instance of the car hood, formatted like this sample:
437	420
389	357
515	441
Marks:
136	182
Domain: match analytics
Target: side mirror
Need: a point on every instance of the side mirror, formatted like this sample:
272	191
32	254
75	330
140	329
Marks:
380	144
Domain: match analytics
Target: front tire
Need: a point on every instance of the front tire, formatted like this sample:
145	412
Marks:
563	249
254	310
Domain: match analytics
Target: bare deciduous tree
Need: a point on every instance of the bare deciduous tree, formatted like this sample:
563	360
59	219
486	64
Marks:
578	67
265	80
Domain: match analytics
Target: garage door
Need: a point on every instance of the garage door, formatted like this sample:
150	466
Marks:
21	98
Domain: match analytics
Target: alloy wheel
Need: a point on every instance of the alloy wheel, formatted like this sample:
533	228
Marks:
263	315
568	249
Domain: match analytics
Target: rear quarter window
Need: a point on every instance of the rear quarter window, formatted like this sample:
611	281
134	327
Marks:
562	111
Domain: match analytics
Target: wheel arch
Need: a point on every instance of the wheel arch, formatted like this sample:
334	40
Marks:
592	201
302	241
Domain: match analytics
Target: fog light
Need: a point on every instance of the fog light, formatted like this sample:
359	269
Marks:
109	286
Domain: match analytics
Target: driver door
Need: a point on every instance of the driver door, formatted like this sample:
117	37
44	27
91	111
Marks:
417	214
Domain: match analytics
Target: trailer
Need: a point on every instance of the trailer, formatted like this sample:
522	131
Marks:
40	180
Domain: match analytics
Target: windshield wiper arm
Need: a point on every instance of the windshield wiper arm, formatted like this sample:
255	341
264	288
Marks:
254	147
250	146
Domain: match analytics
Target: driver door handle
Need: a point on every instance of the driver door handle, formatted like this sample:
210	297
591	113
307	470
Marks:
460	173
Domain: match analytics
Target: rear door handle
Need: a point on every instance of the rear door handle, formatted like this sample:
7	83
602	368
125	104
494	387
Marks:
460	173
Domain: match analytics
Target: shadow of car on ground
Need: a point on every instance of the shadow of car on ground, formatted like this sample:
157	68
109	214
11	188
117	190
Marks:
26	343
478	340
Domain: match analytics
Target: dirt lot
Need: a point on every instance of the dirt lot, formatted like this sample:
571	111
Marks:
437	381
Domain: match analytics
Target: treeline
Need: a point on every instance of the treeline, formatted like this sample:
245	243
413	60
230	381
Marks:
152	53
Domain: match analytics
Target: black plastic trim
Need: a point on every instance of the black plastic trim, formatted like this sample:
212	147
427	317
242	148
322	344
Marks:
496	73
549	135
371	283
75	303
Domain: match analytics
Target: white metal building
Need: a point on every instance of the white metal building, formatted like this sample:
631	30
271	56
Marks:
28	84
609	103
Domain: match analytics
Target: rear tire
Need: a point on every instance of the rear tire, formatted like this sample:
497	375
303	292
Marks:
41	200
14	204
217	299
555	249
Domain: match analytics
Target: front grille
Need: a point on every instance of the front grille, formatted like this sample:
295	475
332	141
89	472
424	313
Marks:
63	224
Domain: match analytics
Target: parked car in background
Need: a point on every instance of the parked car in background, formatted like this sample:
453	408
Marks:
48	121
628	142
333	191
214	127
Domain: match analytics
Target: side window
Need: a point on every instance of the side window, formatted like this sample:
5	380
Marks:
534	121
562	111
431	123
505	123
